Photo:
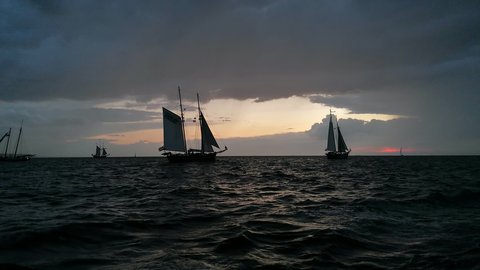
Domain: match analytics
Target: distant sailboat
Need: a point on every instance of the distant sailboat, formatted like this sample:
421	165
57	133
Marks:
174	139
332	151
401	151
15	156
100	152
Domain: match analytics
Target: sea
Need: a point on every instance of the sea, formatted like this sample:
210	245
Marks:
411	212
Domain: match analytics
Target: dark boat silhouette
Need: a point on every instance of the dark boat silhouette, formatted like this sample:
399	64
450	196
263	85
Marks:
100	152
15	156
175	146
332	151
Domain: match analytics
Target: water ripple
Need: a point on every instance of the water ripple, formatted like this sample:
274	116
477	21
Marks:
241	213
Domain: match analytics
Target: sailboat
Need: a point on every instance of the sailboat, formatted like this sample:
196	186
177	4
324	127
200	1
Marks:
401	151
15	156
100	152
174	139
332	151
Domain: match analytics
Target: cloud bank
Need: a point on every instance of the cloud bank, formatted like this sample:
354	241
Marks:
419	59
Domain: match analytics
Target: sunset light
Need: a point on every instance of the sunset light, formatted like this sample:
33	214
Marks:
230	118
395	150
239	134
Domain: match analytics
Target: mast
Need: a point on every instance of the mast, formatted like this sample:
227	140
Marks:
18	140
8	141
183	120
200	119
331	136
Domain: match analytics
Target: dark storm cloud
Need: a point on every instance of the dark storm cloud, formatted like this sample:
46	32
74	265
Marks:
420	59
247	49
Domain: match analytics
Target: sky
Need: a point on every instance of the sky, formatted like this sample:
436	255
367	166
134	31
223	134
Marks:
395	73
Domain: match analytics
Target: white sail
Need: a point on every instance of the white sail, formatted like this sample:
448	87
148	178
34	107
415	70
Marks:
208	140
172	132
331	137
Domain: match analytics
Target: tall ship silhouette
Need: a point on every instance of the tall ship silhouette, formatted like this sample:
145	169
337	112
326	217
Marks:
15	156
333	151
100	152
174	139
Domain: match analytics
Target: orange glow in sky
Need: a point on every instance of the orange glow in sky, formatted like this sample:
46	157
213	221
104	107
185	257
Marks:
388	149
230	118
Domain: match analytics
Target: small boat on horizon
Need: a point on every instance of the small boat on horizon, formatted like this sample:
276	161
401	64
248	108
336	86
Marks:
174	139
332	151
100	152
15	156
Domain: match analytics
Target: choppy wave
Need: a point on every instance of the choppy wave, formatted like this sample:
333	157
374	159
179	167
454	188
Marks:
241	213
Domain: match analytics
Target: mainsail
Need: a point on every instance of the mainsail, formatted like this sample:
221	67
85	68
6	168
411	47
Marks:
173	138
104	152
331	137
208	140
97	151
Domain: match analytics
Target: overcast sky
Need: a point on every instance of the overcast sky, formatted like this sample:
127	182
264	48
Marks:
397	73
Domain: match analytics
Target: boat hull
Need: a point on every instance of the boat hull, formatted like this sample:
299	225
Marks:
95	156
16	159
195	157
337	155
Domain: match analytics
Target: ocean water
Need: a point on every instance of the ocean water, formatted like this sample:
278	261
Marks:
241	213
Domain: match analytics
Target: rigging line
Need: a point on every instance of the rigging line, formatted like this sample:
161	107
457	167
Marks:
221	142
183	119
196	139
200	119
